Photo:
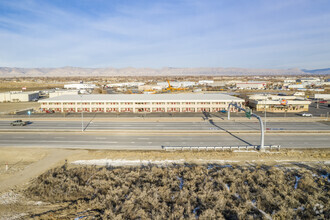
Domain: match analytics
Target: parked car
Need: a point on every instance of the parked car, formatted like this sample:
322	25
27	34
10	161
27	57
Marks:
18	123
324	101
307	115
50	111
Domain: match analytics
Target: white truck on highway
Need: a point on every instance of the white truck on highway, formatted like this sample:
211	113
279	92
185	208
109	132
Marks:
18	123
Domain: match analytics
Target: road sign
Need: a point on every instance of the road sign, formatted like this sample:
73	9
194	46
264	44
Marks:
248	113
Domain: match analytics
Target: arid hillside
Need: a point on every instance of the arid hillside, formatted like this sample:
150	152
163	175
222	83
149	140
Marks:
77	71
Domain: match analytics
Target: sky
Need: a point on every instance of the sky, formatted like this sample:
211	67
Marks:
173	33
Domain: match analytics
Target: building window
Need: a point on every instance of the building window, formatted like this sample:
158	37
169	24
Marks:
142	103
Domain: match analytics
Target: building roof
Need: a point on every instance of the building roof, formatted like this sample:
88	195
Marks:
143	97
20	92
251	82
278	102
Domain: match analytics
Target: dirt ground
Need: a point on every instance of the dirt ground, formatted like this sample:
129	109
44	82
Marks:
12	107
22	161
25	165
6	86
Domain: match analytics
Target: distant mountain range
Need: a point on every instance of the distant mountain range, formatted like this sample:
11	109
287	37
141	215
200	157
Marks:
318	71
168	71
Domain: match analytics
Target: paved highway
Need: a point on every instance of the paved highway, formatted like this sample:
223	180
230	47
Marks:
105	140
204	125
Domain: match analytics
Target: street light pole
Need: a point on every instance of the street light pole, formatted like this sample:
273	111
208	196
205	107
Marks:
262	139
82	115
265	113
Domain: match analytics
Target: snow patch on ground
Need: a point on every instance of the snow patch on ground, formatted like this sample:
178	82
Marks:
123	162
245	151
219	161
9	197
109	162
13	216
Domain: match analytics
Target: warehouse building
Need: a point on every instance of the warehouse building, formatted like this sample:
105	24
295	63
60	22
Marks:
322	96
183	84
125	84
251	85
136	103
79	86
18	96
63	92
278	103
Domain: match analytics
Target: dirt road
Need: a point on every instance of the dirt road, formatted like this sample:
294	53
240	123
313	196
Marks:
27	169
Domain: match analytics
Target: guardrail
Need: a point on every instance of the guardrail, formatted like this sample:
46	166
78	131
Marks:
215	148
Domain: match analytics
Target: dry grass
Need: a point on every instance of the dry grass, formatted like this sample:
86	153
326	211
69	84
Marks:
18	159
12	107
185	192
30	86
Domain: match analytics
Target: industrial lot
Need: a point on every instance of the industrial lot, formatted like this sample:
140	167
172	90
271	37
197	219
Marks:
204	103
195	106
276	94
211	123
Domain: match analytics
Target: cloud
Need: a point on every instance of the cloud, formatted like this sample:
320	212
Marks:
163	33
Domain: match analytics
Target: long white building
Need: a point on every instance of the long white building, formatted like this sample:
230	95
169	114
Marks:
63	92
251	85
182	84
80	86
140	103
18	96
125	84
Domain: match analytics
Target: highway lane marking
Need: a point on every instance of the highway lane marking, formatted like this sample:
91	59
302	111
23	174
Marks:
144	138
101	138
59	137
60	141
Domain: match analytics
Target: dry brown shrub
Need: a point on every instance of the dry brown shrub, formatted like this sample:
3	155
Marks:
186	192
